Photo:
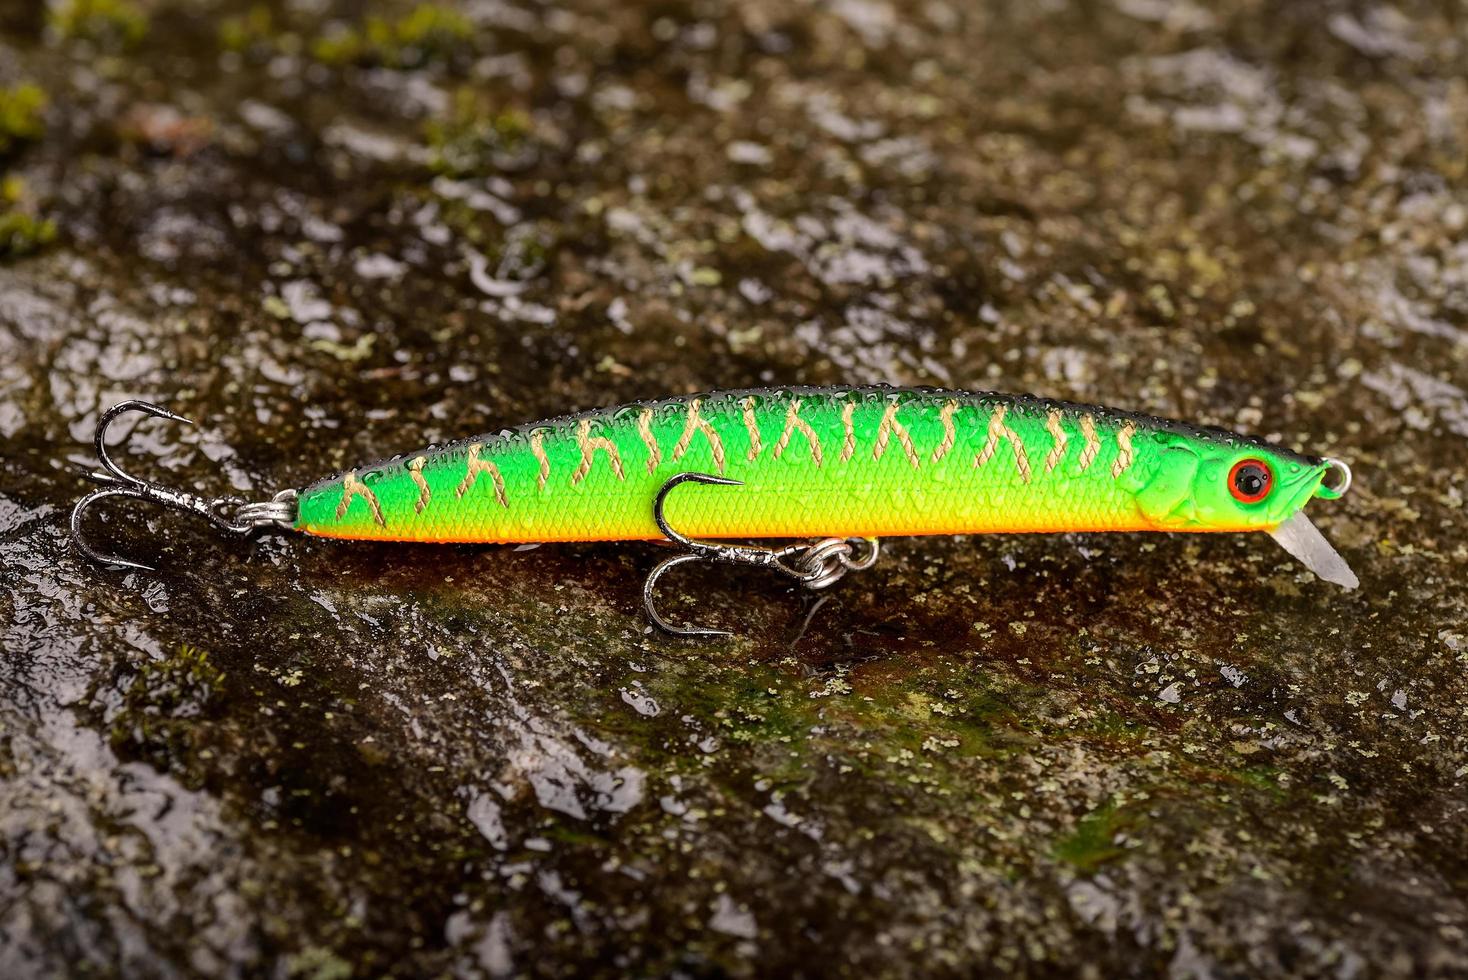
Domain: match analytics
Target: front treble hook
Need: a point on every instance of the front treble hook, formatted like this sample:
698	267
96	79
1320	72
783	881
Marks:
815	564
231	514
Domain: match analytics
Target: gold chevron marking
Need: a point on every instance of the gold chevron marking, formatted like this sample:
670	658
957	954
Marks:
997	431
752	427
589	445
794	423
353	487
476	467
1052	425
690	426
415	470
949	436
697	423
644	429
537	447
1021	458
890	427
716	444
1123	450
1093	445
849	446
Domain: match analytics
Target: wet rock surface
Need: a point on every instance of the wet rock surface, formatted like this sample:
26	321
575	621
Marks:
329	234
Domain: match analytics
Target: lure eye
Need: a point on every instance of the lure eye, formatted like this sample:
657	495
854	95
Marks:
1250	481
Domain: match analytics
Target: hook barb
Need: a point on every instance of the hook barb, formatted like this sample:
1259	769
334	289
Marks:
99	440
227	513
814	564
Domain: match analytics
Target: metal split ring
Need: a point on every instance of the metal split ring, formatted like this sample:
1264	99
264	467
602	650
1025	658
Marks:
1345	471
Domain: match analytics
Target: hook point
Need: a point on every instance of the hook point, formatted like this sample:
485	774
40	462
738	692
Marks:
145	407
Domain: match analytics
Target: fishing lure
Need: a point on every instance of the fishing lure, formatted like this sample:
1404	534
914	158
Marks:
834	468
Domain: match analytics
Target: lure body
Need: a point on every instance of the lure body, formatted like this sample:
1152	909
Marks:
812	461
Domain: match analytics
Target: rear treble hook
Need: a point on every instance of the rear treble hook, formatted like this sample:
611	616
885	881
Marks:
814	564
231	514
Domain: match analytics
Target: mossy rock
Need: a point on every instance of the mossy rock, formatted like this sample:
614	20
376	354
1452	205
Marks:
22	119
22	232
428	34
112	24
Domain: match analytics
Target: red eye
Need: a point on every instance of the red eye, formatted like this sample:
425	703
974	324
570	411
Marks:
1250	480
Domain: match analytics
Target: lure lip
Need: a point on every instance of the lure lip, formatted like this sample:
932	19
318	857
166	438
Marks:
1299	536
1303	540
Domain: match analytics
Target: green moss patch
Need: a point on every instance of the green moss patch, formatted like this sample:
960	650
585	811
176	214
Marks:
474	135
247	31
21	115
162	707
109	23
1093	841
21	230
429	33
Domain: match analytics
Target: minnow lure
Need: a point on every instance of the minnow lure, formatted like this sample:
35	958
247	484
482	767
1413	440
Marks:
837	468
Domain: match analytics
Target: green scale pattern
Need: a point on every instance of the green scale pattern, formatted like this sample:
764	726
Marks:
873	461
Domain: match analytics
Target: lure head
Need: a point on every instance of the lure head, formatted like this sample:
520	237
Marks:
1205	482
1215	483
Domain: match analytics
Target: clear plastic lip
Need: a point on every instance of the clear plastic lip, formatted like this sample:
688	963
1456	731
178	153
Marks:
1303	540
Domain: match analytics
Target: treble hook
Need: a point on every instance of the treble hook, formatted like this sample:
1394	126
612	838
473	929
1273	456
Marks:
814	564
231	514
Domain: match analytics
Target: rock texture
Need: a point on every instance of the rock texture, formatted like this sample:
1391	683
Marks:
329	235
